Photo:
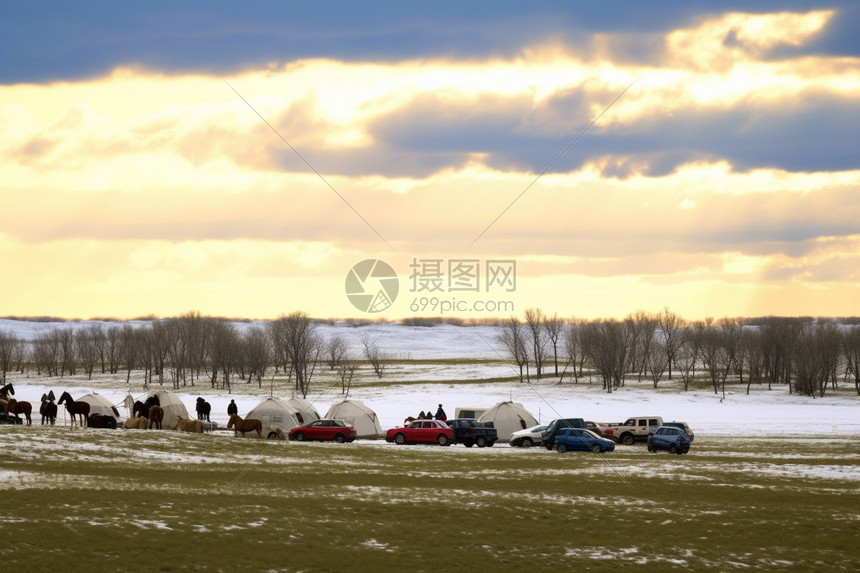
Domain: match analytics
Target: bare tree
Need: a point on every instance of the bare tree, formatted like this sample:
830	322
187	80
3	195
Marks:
113	348
376	358
607	345
658	362
554	326
687	354
642	327
755	359
815	358
512	337
670	326
224	352
132	347
346	371
8	347
86	347
851	352
573	345
257	354
534	319
297	346
335	351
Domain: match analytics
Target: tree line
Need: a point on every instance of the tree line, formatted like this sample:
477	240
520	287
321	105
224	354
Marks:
188	350
807	355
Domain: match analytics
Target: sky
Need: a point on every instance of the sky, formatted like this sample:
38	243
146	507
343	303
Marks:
588	159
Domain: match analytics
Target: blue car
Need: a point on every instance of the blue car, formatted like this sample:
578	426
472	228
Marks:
673	439
582	440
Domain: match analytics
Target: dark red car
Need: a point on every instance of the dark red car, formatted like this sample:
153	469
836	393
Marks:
422	432
327	430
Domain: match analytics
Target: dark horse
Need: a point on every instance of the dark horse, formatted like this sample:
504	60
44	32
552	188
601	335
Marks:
101	421
156	415
7	391
48	409
203	409
16	407
142	408
81	409
249	425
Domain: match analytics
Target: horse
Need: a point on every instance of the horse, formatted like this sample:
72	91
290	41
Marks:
249	425
16	407
6	391
203	409
101	421
191	426
140	410
156	415
48	409
81	409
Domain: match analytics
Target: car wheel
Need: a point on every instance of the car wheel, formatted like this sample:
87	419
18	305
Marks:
673	449
468	443
300	436
561	448
400	439
272	436
339	438
481	442
490	444
627	439
527	443
651	448
596	448
442	440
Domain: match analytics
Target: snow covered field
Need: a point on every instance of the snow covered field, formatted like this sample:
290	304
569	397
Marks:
419	384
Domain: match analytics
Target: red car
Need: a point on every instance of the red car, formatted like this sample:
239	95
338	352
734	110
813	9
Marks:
422	432
327	430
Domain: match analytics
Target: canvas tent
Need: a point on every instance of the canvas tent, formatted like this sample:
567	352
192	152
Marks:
305	411
357	414
278	417
100	405
508	417
174	409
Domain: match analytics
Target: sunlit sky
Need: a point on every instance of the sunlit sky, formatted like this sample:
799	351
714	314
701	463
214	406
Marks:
138	174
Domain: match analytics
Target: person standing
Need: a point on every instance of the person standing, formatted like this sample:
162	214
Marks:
440	414
232	408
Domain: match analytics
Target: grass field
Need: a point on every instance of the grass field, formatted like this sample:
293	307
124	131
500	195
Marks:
165	501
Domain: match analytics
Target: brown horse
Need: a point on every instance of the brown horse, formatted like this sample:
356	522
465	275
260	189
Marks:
16	407
48	409
81	409
156	415
249	425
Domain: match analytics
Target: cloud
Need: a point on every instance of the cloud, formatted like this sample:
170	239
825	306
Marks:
50	41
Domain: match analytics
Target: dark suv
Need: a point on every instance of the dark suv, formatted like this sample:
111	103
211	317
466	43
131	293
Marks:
683	425
547	438
670	438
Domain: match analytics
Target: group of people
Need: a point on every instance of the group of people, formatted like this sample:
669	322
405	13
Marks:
428	415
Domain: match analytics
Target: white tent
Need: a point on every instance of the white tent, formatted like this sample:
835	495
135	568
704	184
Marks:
305	411
100	405
174	409
357	414
507	418
278	417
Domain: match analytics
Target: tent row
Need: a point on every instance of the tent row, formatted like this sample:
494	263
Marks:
280	416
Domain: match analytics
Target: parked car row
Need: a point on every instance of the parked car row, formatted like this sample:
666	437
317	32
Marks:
565	434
